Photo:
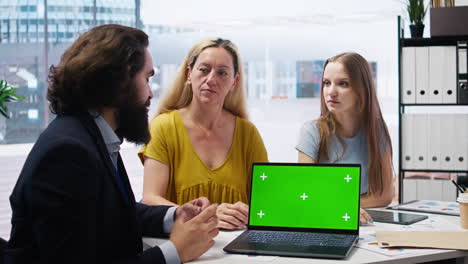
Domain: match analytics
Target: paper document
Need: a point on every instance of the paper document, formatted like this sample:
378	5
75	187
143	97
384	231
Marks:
423	239
429	206
368	241
433	223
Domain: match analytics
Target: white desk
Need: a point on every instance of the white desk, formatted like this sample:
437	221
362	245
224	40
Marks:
357	255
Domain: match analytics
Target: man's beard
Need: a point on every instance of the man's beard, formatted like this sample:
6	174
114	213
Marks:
133	123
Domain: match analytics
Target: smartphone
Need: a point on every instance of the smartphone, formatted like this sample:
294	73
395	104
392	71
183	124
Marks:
395	217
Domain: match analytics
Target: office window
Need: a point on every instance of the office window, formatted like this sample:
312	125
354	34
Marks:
22	52
284	47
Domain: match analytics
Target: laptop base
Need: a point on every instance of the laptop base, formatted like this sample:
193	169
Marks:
242	245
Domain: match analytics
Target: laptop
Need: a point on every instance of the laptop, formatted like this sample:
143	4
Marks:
301	210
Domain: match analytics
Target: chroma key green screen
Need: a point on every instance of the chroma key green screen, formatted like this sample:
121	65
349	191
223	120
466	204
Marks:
305	196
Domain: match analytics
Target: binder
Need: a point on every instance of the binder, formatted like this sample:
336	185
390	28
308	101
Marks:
419	129
448	192
434	141
422	75
436	74
428	189
408	74
462	57
407	142
410	189
461	141
448	142
449	78
462	73
462	91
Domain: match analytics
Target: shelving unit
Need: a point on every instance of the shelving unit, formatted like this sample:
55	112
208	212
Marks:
432	78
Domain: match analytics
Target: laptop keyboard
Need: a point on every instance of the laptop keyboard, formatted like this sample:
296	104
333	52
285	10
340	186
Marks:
300	238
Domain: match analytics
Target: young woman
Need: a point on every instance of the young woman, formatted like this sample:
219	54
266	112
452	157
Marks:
351	129
201	141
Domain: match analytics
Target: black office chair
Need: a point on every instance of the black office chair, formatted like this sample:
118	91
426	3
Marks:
3	244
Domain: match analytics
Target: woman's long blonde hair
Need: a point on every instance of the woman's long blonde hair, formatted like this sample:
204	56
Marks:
361	81
179	94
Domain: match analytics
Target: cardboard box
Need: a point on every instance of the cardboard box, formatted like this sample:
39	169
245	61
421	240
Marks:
449	21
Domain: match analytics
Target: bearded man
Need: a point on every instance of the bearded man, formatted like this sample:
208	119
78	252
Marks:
73	202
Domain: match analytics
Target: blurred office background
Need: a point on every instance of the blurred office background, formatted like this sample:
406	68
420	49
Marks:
283	45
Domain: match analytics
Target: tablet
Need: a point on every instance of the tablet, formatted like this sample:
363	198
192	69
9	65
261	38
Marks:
395	217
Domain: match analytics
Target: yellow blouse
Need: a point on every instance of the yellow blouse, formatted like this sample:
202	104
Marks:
189	177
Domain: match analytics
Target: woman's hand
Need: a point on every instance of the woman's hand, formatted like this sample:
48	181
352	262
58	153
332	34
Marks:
232	216
364	217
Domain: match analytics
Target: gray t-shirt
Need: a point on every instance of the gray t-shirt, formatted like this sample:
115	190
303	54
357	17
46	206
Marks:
356	149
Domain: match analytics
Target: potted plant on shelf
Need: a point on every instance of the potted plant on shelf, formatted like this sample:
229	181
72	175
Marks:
7	94
416	12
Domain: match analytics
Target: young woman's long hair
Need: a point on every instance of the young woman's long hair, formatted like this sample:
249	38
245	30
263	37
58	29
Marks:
180	94
372	122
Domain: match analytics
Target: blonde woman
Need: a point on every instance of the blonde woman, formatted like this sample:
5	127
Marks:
351	129
201	141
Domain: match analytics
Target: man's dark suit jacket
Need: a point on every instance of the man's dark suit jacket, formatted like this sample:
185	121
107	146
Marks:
67	205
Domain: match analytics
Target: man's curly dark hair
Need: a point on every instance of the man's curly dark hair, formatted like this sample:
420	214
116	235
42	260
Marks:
97	70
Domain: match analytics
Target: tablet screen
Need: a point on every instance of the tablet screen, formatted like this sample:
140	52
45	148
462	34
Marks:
395	217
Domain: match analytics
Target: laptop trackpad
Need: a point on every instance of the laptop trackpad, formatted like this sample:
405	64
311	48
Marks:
280	247
256	246
298	250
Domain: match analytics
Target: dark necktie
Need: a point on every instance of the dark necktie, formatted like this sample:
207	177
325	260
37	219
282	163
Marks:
120	182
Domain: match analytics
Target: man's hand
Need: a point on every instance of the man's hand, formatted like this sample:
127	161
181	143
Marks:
195	236
232	216
191	209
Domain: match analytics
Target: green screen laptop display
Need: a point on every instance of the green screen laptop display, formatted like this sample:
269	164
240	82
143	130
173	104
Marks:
305	196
